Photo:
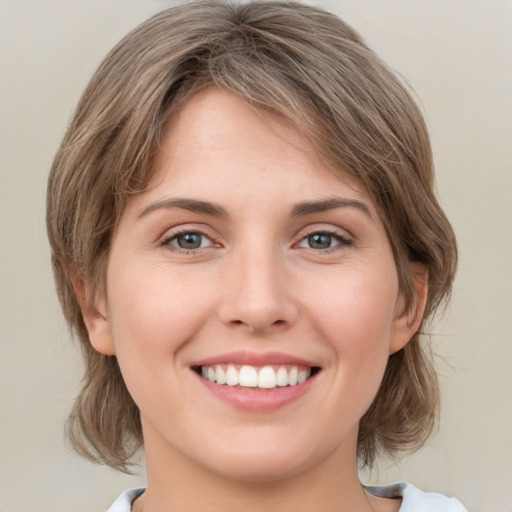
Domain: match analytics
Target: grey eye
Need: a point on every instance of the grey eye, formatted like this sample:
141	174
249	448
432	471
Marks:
323	240
189	240
320	240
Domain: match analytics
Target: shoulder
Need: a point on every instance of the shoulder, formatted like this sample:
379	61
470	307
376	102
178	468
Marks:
124	502
414	500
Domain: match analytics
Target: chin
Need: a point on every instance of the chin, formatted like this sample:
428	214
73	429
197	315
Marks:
260	473
265	466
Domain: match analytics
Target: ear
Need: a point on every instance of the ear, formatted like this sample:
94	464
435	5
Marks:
94	314
408	320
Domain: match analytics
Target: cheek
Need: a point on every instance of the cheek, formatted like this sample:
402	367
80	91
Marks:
152	316
357	309
356	320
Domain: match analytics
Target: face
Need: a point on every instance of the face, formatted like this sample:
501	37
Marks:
252	298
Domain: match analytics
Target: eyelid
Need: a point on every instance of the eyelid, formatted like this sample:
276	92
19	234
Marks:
343	237
171	238
327	229
173	233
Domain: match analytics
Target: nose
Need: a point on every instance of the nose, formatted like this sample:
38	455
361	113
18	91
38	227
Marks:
257	296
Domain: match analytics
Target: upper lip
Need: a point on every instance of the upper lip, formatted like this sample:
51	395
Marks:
243	357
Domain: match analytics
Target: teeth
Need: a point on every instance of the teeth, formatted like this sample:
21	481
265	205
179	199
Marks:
220	374
282	377
303	375
266	377
248	377
231	376
292	376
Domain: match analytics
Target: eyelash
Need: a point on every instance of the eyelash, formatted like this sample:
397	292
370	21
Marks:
167	241
343	241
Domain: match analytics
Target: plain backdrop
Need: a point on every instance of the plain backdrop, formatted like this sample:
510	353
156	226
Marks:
457	56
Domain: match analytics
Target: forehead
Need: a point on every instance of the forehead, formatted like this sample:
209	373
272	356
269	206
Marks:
215	130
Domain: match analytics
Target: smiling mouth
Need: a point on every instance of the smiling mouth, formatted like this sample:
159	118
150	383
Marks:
256	377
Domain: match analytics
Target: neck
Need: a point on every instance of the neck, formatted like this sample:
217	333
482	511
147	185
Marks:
176	483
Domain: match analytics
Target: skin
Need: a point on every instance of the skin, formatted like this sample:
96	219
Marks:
255	284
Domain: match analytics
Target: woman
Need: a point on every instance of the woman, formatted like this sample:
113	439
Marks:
246	241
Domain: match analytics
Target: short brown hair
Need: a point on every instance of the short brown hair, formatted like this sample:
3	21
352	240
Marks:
288	58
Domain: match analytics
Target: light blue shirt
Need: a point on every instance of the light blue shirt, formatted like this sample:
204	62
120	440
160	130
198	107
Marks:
413	500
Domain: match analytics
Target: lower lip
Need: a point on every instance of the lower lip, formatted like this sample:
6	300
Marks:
256	399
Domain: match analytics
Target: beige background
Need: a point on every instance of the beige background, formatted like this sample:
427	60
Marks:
456	54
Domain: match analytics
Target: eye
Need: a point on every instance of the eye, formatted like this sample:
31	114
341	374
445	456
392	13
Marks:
187	241
323	240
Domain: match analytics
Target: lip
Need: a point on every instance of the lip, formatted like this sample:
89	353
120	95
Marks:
243	357
260	400
251	399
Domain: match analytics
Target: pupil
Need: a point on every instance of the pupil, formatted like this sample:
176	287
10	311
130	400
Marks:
189	241
319	241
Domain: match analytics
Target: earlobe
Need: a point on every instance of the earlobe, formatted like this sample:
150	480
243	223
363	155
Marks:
94	315
408	320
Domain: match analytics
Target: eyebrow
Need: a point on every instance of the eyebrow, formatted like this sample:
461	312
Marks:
310	207
192	205
298	210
